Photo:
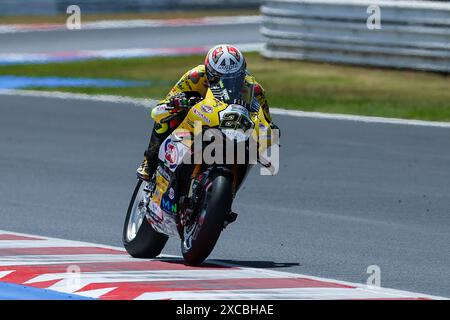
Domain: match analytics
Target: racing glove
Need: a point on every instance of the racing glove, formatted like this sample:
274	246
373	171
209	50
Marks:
181	101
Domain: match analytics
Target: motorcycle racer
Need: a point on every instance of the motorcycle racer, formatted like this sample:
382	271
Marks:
225	73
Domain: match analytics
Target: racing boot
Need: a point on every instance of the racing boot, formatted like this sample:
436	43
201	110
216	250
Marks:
148	166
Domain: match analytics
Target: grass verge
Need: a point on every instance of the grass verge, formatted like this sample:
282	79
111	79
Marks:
289	84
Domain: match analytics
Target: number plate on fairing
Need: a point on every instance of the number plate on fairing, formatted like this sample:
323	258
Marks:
235	117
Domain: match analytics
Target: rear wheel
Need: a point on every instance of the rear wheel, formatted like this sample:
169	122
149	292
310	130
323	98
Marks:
138	236
200	237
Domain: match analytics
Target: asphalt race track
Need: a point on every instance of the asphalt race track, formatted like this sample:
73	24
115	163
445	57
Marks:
348	194
161	37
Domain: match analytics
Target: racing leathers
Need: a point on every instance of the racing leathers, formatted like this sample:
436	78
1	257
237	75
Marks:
170	111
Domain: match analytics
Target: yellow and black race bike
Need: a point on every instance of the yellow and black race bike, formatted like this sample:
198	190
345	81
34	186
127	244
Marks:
189	197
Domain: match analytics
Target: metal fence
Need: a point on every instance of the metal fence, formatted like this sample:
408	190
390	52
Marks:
52	7
412	34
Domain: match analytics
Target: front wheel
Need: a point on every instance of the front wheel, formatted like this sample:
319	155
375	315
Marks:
200	237
138	236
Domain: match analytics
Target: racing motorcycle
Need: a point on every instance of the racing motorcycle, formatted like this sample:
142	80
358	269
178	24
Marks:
191	199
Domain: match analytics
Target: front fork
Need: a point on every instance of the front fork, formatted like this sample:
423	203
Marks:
199	183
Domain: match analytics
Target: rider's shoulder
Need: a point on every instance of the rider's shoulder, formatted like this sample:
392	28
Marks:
196	73
251	81
250	78
200	69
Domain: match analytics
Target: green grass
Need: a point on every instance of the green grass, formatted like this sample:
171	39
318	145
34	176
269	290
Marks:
289	84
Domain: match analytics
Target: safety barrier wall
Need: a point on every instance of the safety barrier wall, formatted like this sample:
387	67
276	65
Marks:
412	34
52	7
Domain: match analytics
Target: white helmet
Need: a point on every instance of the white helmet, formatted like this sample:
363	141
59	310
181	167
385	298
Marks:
225	69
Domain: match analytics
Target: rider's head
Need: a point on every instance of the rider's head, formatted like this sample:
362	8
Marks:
225	70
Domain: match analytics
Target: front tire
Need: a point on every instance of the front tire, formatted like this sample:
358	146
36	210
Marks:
138	236
201	236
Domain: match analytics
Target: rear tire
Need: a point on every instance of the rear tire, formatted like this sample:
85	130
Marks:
145	242
209	222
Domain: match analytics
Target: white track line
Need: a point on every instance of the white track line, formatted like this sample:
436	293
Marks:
4	244
281	293
54	241
366	119
149	103
135	23
67	56
79	96
35	260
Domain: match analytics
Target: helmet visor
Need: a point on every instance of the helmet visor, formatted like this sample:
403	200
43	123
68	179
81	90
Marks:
229	86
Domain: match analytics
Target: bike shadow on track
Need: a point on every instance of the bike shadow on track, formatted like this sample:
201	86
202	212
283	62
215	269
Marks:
231	263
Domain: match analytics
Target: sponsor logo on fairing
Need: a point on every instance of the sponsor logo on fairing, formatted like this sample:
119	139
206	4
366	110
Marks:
171	154
168	205
207	109
262	127
171	194
201	115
